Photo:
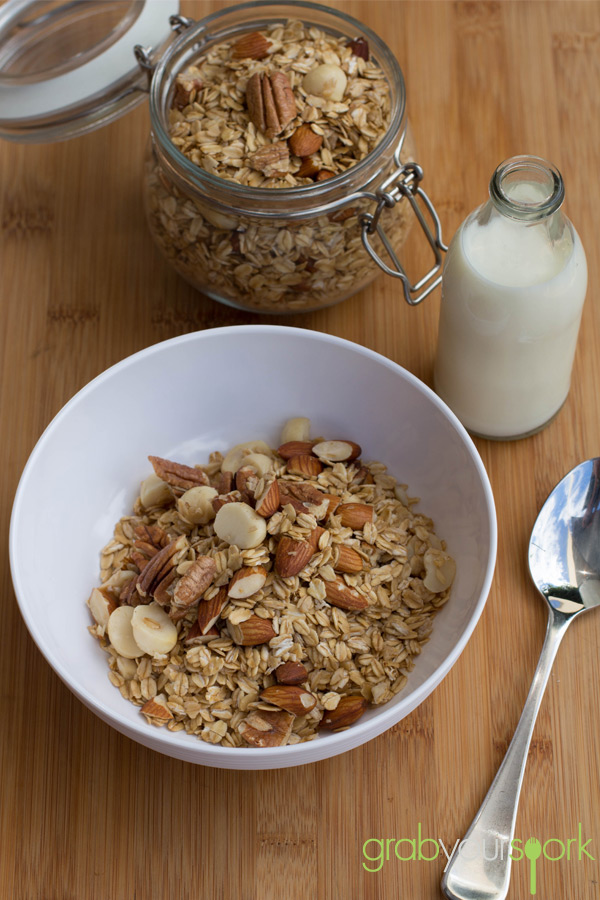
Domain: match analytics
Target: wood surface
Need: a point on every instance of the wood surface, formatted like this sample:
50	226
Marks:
86	813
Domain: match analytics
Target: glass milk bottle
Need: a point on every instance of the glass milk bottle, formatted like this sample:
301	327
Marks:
513	287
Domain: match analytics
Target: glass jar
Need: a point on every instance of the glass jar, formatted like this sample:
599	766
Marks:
513	289
268	250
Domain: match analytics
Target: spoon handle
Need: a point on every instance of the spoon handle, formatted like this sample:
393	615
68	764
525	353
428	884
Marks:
480	867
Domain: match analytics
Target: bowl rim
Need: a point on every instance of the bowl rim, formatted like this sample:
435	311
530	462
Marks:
215	754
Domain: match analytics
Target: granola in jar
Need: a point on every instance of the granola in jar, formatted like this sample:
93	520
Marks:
285	134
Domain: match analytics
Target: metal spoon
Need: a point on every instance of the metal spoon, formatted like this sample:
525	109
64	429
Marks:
564	561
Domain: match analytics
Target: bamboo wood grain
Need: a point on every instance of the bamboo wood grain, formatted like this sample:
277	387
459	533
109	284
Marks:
86	813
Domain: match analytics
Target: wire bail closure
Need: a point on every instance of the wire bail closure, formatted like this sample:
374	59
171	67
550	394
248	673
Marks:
405	182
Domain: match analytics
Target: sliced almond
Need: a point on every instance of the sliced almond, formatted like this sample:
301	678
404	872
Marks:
155	492
440	569
337	451
354	515
192	585
332	504
363	476
251	46
156	708
292	556
153	630
267	503
210	610
263	728
195	636
101	603
348	560
120	632
291	673
260	462
347	712
304	465
304	141
294	448
195	505
290	697
296	429
341	595
251	632
239	524
247	581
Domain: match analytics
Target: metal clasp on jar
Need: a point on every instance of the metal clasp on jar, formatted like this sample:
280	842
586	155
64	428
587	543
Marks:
405	183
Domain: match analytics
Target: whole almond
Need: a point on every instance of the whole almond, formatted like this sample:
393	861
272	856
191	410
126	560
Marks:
348	560
304	142
355	515
347	712
295	448
292	556
324	174
210	610
290	697
252	632
291	673
304	465
344	597
251	46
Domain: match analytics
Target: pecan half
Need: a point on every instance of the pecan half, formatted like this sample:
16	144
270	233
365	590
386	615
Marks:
192	585
304	497
271	102
270	158
178	476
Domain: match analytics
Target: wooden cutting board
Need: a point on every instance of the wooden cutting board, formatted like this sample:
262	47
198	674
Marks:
86	813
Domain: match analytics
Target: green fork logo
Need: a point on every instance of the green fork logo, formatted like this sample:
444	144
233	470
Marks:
552	849
533	851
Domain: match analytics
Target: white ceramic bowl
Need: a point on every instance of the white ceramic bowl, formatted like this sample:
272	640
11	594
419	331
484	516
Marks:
207	391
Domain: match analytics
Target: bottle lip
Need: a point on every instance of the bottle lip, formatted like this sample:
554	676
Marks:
527	188
232	21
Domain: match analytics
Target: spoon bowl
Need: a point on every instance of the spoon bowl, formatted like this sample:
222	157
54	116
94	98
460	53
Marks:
564	562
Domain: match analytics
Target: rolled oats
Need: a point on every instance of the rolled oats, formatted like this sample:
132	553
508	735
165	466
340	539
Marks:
211	682
247	119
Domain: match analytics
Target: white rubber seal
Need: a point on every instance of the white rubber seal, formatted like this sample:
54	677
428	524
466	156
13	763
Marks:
20	102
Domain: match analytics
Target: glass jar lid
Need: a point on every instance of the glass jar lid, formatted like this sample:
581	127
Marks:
67	68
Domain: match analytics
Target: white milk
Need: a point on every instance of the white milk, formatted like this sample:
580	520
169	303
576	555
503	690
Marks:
511	306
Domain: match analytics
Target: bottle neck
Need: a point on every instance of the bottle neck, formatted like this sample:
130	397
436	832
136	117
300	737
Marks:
527	189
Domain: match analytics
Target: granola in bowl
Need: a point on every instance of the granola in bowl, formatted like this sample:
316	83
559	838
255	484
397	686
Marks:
270	593
285	109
